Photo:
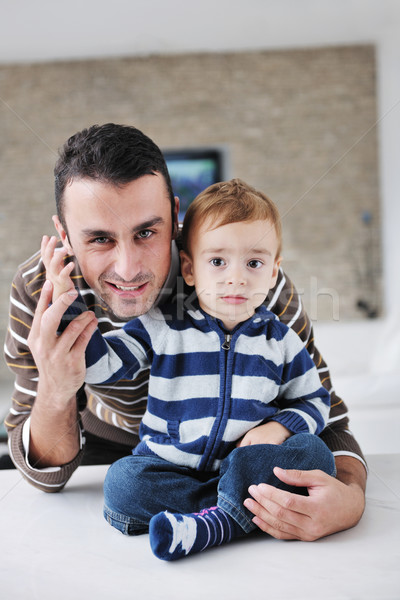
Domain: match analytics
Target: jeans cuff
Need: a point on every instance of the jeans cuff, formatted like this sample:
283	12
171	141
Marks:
127	525
237	515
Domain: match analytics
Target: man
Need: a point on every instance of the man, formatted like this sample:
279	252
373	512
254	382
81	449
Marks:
117	218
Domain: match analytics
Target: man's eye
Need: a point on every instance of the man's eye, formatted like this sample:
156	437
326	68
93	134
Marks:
255	264
100	240
143	235
217	262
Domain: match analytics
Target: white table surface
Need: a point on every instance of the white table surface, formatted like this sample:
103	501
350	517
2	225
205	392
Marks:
59	546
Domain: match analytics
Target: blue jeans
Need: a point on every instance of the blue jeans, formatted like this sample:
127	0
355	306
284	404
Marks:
138	487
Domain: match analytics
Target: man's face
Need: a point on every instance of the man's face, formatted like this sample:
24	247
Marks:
121	238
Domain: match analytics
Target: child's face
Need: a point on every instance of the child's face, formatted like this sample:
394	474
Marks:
232	268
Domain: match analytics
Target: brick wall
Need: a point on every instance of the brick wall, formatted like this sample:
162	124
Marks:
299	124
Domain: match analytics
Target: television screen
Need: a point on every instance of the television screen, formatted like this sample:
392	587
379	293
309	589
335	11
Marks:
191	171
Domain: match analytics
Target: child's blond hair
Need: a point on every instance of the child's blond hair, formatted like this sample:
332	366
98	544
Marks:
230	202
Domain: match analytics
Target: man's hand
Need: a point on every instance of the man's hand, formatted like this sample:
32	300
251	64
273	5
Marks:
60	360
269	433
331	506
56	271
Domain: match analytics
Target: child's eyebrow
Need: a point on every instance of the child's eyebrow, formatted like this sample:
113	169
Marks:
213	251
260	251
246	252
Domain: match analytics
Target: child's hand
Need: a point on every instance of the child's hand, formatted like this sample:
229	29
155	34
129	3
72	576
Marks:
269	433
56	272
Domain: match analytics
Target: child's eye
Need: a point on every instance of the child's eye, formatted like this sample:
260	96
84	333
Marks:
217	262
255	264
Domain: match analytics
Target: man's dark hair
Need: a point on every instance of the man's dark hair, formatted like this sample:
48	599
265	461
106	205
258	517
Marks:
110	153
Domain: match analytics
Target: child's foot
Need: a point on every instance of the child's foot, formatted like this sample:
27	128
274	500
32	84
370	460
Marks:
174	536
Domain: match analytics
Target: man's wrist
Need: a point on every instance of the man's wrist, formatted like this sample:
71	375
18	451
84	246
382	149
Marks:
53	399
26	446
351	471
55	437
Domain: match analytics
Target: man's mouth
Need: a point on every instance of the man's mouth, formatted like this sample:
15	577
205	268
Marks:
128	290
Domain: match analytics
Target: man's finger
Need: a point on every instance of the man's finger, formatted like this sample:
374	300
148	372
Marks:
47	317
278	534
43	245
44	300
269	494
86	333
272	519
42	305
273	504
301	478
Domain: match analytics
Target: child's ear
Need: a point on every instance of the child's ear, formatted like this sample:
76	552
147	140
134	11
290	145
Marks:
63	234
275	271
186	268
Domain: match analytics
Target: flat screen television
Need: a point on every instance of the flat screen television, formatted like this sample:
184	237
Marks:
193	170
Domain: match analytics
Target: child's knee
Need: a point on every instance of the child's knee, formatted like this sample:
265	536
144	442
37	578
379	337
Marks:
314	453
121	490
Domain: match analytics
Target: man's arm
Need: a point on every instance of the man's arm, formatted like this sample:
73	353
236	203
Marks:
25	292
60	360
54	431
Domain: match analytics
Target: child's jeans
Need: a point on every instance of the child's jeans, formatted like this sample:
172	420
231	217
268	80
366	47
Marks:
138	487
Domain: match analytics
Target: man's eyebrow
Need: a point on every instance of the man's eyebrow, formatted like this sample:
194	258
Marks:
94	233
149	223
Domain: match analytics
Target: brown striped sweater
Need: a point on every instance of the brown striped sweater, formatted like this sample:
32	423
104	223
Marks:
114	412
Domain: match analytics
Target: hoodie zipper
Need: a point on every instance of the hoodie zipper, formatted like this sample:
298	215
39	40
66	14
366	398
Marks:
209	455
227	343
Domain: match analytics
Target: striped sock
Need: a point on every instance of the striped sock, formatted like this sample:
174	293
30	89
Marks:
173	535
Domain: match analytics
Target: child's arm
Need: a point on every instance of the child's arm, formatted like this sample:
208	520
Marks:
56	272
303	402
120	355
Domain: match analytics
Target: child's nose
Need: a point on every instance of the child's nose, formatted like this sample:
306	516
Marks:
235	276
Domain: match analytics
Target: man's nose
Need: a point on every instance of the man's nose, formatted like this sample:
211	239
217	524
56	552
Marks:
127	262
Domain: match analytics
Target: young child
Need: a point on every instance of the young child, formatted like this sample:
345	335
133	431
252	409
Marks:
232	392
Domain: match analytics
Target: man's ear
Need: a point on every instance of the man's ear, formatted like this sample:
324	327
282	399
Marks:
175	227
63	234
186	268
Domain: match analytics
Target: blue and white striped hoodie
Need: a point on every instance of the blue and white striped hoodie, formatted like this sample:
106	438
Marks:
207	387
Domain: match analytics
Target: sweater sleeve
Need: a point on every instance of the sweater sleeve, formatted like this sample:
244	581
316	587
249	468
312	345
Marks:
303	402
25	290
114	356
117	356
286	303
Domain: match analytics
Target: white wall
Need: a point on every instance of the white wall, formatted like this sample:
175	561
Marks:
366	368
48	30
